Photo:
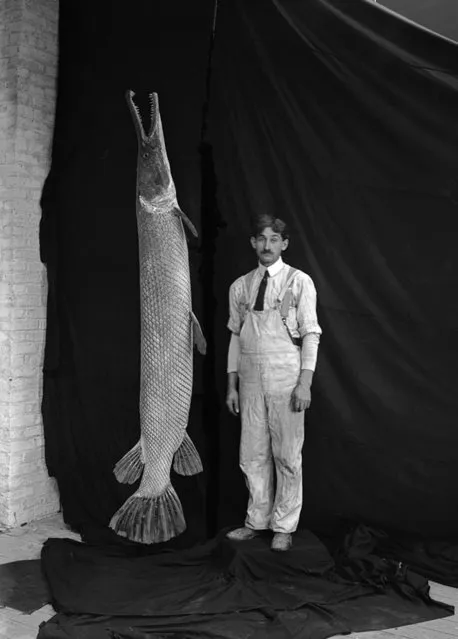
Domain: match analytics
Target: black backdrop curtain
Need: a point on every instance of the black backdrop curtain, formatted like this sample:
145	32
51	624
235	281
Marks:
341	118
89	238
437	15
337	116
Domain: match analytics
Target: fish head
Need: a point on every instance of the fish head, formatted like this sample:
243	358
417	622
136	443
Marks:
154	177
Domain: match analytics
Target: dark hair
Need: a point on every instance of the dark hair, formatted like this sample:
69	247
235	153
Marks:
265	220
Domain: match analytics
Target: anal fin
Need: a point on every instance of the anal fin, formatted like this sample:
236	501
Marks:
187	460
198	336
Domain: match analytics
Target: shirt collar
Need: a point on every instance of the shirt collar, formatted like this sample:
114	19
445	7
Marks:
273	269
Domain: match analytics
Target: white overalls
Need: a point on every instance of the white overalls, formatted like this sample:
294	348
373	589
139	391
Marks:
272	433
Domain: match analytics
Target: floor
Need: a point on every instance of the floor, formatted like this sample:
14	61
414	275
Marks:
25	543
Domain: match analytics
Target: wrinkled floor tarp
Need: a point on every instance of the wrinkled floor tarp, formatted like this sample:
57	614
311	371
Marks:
224	590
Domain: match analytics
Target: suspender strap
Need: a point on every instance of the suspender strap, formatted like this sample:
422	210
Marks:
245	302
247	284
284	298
284	302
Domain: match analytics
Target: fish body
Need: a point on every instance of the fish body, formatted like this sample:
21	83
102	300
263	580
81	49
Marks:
169	330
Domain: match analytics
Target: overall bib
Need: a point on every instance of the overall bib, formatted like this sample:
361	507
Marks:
272	433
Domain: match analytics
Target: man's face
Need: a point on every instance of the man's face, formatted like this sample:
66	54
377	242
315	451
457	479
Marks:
268	246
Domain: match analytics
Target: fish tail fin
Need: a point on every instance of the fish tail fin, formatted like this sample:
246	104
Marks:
150	520
198	336
130	467
187	460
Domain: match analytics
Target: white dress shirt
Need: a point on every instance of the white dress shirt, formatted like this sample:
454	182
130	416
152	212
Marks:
302	319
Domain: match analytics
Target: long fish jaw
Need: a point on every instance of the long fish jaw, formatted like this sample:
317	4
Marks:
156	191
155	182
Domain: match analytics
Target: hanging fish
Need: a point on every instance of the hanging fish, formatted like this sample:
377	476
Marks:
169	328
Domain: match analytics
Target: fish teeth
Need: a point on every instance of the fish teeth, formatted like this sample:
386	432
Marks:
152	100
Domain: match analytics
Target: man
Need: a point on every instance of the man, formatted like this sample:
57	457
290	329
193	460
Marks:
272	355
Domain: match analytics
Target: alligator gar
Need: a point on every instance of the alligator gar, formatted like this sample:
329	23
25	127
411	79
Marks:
169	329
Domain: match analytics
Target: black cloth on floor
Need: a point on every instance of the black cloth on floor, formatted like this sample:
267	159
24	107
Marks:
435	559
221	589
22	586
364	552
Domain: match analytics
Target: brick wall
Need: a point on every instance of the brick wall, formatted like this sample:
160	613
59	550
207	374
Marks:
28	68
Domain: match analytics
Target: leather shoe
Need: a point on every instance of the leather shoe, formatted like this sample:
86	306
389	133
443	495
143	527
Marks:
281	542
242	534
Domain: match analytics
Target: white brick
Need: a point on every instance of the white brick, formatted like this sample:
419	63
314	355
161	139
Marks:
27	420
25	348
23	396
18	313
25	324
24	408
24	432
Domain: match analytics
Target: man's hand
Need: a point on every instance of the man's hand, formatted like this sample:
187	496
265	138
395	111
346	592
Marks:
301	398
232	402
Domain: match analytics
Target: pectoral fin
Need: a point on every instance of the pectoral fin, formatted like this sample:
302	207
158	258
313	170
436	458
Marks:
185	219
199	339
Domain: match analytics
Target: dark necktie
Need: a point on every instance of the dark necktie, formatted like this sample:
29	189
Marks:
259	304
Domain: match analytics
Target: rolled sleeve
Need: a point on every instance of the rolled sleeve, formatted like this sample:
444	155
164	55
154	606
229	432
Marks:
306	298
233	354
309	351
234	322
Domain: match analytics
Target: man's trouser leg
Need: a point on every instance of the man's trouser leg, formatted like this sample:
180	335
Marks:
287	434
256	458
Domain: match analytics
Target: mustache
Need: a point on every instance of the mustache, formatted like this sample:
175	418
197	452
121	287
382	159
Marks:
266	253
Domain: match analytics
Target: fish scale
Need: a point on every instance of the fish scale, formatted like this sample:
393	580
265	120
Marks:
153	513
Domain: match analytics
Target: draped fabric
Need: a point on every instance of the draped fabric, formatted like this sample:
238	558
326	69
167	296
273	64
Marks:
437	15
223	590
340	117
89	240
